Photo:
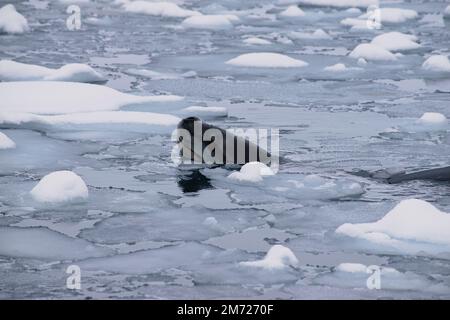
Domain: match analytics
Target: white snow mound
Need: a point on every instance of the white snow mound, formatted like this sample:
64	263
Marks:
411	223
206	112
163	9
60	186
433	118
318	34
57	97
393	15
369	51
210	22
278	257
257	41
437	63
340	3
11	21
6	142
252	172
74	72
266	60
292	12
396	41
338	67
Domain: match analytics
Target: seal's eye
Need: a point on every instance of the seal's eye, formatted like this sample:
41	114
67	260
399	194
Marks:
180	138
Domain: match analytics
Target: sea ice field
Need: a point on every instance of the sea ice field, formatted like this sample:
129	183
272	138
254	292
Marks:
87	178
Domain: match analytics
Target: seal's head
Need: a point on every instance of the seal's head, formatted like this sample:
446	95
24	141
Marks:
188	124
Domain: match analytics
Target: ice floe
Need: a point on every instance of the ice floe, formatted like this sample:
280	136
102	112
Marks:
411	227
60	186
210	22
318	34
73	72
358	276
266	60
438	63
57	97
371	51
292	12
256	41
340	3
396	41
205	112
252	172
338	67
6	142
132	121
447	12
154	75
164	9
393	15
41	243
433	118
11	21
278	257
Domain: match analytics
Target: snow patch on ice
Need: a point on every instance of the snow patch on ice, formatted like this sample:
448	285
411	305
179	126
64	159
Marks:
210	22
393	15
412	226
11	21
266	60
396	41
154	75
205	112
256	41
292	12
60	186
438	63
163	9
57	97
73	72
252	172
433	118
6	142
371	51
132	121
278	257
319	34
338	67
340	3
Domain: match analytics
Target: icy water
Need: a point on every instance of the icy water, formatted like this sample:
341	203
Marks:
155	231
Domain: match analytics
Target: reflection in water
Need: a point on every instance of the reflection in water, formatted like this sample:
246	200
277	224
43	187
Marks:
193	181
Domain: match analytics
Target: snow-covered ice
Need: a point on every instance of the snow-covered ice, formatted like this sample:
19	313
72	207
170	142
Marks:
60	186
292	12
371	51
266	60
412	226
437	63
73	72
396	41
164	9
42	97
211	22
6	142
256	40
252	172
340	3
318	34
205	112
393	15
12	21
277	257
